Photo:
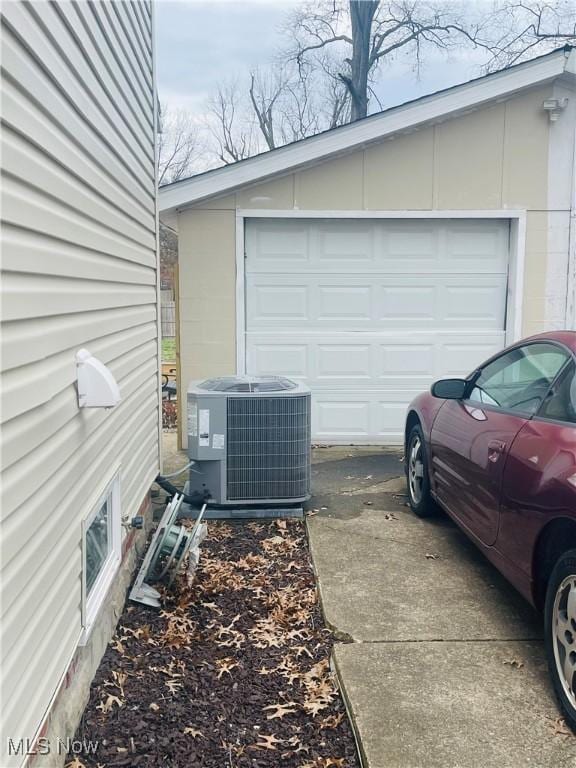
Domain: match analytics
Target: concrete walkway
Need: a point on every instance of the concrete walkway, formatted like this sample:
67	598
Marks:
440	661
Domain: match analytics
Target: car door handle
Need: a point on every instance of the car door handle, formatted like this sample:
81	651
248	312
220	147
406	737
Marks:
495	449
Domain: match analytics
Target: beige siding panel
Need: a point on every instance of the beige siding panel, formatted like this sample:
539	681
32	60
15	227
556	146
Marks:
35	169
27	208
41	295
42	49
107	21
40	93
21	115
70	33
33	385
79	270
21	343
31	252
207	276
398	174
525	173
104	62
277	193
535	273
207	266
141	49
336	184
225	203
468	160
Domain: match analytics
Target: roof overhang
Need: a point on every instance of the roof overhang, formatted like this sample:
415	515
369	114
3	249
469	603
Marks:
432	108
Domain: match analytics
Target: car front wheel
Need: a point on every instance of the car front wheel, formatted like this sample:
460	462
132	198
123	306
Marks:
560	628
417	475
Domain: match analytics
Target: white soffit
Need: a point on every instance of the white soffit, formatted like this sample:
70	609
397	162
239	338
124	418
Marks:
437	106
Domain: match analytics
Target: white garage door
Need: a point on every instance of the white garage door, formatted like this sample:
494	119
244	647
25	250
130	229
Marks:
369	312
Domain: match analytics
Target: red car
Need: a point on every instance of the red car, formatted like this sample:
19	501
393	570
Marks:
497	451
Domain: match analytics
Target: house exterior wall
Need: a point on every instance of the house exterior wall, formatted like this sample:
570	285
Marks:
496	157
79	260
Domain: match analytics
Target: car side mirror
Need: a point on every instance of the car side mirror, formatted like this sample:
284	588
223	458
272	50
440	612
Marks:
449	389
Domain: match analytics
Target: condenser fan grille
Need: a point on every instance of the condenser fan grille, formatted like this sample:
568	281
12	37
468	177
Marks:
248	384
268	448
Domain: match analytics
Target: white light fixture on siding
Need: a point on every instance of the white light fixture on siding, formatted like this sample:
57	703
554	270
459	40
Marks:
97	388
554	107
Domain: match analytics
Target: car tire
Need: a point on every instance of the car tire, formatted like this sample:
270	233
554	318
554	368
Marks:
417	475
560	633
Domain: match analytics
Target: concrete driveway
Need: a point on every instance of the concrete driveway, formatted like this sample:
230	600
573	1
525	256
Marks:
440	661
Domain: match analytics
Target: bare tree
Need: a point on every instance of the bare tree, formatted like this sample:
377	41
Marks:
524	29
230	126
300	116
284	104
290	104
368	32
178	145
264	94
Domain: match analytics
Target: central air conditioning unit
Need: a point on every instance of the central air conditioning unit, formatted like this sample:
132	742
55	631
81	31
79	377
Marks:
249	438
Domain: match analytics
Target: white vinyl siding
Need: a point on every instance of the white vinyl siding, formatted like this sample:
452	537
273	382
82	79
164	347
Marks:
369	312
79	270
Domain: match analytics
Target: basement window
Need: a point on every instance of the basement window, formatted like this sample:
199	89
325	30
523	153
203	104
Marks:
101	553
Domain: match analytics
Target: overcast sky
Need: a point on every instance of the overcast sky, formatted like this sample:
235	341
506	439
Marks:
202	43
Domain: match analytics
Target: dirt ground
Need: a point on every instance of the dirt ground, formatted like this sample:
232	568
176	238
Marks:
234	672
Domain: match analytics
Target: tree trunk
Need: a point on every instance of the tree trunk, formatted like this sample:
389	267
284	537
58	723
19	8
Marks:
361	15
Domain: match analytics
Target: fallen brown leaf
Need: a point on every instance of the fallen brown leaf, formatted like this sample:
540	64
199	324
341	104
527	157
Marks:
225	665
280	710
559	727
108	705
267	742
332	721
514	663
173	685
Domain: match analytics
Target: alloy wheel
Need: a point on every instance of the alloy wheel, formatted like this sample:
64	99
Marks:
416	470
564	635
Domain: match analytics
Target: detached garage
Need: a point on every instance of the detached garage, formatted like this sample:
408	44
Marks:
372	259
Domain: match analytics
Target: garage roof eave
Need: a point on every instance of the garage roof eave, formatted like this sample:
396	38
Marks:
436	106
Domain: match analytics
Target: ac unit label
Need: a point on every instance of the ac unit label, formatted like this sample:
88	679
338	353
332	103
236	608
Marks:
218	441
204	427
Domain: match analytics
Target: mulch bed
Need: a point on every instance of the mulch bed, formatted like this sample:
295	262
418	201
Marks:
234	672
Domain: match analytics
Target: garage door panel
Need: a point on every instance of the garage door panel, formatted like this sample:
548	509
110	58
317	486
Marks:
277	359
405	360
482	302
483	244
282	303
340	417
361	418
277	241
461	358
407	247
349	302
390	246
369	361
342	303
370	312
342	362
347	242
